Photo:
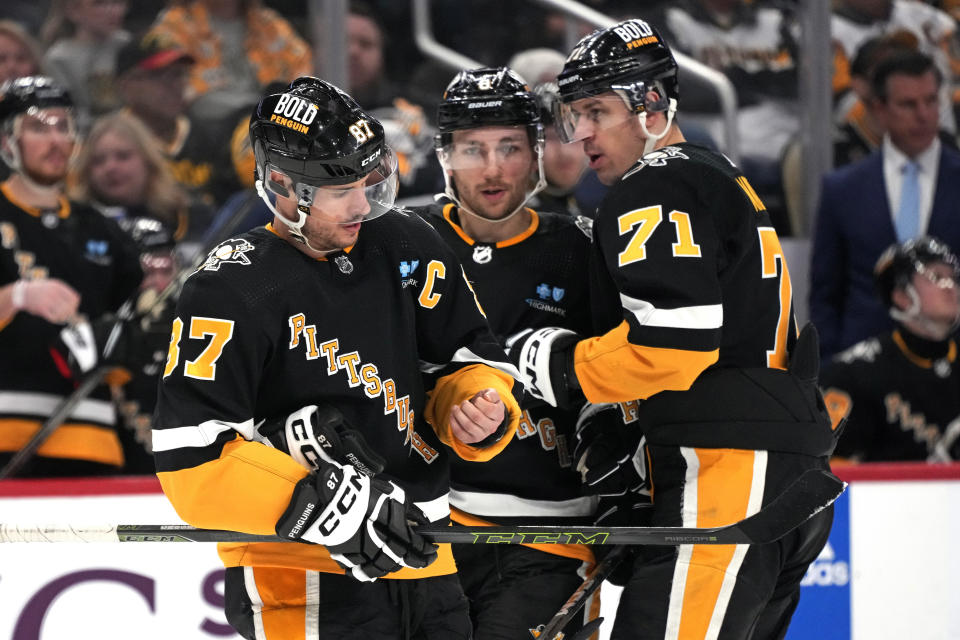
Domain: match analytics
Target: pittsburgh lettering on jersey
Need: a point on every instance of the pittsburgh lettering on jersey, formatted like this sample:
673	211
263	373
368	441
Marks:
898	412
629	410
360	374
549	438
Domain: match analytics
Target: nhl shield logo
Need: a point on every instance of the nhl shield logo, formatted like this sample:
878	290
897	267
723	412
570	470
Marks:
233	250
482	253
344	264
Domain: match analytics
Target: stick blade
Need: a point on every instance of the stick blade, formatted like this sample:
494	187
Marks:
811	493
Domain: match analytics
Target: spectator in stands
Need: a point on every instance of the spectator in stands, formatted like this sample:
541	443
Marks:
898	391
754	45
238	46
19	52
83	38
152	78
910	187
59	260
405	125
123	173
855	21
563	164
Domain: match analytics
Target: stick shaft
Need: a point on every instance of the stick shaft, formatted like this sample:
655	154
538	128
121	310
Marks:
579	598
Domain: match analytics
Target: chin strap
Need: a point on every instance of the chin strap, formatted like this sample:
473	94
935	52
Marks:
937	330
653	138
293	226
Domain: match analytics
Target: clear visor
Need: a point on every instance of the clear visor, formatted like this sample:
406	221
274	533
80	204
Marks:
56	121
583	118
366	199
505	147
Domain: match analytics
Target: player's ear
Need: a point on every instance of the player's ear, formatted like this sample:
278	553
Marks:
901	299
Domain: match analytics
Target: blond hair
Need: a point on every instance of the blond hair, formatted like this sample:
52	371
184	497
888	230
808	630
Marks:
164	197
14	31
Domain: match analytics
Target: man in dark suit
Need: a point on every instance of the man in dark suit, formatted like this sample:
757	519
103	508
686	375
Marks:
908	188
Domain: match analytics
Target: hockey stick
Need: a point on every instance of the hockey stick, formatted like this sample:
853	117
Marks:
125	313
814	491
784	509
575	602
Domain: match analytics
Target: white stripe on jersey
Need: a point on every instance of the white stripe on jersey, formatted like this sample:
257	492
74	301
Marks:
44	404
464	354
436	509
199	436
256	603
707	316
688	518
429	367
504	504
311	625
757	485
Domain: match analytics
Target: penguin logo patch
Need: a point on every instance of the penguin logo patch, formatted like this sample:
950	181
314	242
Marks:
229	251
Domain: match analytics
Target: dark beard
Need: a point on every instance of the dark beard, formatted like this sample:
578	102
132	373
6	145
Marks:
42	180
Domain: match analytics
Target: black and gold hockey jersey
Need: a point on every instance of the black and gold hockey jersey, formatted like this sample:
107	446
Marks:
899	393
77	245
535	279
388	331
688	275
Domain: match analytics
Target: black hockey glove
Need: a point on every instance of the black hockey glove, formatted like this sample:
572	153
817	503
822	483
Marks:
365	523
609	454
108	340
545	360
316	433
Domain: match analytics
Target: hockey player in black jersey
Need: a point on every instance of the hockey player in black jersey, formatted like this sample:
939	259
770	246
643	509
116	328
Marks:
60	262
526	268
900	391
695	317
338	341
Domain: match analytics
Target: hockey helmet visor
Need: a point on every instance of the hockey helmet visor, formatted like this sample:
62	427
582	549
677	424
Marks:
364	199
506	147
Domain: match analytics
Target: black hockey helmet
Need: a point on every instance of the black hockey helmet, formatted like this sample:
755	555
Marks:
896	266
31	93
485	97
314	135
148	234
630	58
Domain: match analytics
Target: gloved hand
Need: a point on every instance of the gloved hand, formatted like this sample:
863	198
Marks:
108	340
545	360
609	454
633	509
365	523
316	433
